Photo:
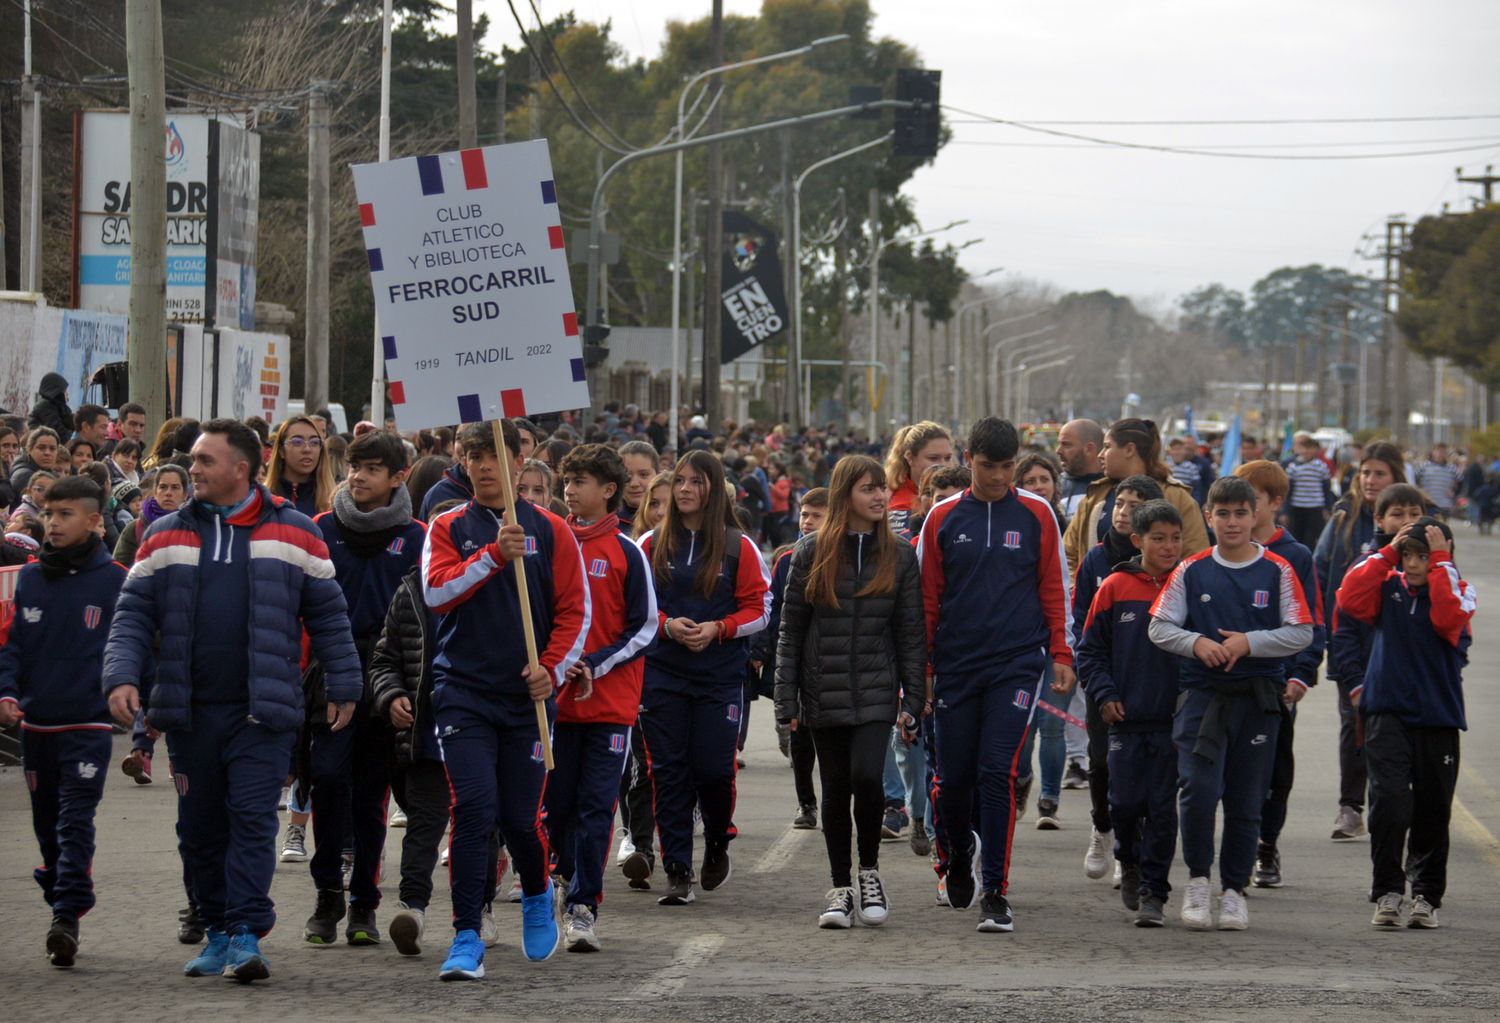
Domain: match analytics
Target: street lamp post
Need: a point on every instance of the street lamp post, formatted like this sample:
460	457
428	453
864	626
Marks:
1026	374
680	135
1026	351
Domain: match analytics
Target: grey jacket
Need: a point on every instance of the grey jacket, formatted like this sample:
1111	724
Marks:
857	663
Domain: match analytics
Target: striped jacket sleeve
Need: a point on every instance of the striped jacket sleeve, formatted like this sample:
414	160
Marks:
572	606
639	627
447	579
1453	603
752	595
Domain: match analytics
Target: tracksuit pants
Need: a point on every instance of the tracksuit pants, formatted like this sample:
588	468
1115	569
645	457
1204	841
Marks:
637	815
1413	772
228	771
979	741
1143	804
65	772
1098	765
1279	782
1237	779
581	797
851	760
421	790
690	747
1354	776
351	788
496	768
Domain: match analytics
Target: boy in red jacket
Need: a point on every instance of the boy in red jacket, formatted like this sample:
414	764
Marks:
591	744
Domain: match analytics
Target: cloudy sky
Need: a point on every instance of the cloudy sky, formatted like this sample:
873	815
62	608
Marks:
1150	224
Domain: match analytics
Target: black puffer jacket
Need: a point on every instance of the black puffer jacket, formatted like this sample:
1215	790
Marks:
402	666
51	408
851	664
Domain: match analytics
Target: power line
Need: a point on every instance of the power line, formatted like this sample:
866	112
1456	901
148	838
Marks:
542	67
981	119
562	66
1491	139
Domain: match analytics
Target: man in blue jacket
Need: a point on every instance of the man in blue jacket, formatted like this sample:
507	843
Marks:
229	581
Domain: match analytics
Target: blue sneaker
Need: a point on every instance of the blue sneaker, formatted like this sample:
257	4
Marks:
244	962
540	934
465	959
210	963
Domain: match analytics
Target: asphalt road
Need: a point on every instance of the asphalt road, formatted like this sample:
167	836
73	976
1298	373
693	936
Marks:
752	951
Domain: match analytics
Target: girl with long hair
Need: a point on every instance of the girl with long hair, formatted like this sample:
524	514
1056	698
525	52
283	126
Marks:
654	507
713	592
162	448
850	663
914	449
1347	538
300	469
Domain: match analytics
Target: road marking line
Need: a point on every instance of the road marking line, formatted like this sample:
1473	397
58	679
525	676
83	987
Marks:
781	851
1474	779
1481	836
690	955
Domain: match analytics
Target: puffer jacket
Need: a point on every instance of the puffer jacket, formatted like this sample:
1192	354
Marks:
402	666
1084	531
292	587
51	408
854	664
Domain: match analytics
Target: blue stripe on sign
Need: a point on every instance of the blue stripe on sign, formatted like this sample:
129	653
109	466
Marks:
549	192
578	373
377	264
468	409
431	173
390	346
182	271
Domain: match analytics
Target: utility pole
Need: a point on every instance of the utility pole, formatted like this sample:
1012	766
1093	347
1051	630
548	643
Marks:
31	172
315	350
908	360
841	274
500	117
1300	374
148	208
713	250
872	384
693	255
1487	181
3	285
468	124
791	270
1397	383
1320	367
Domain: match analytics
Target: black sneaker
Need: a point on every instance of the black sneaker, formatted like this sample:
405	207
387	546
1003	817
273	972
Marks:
807	818
361	929
994	914
960	880
716	868
894	823
679	888
1046	815
62	941
1023	794
637	868
189	926
1075	777
920	843
1267	867
1150	914
322	928
1130	885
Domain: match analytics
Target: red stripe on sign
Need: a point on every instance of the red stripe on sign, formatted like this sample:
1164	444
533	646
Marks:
570	324
555	236
513	402
366	214
474	175
398	393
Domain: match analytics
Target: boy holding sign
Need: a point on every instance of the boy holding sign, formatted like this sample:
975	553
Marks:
484	690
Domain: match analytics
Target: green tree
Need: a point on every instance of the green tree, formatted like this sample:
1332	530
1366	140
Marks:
1450	294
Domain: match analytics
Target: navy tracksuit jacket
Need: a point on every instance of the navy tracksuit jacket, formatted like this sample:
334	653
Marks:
995	589
480	703
691	703
50	667
1117	662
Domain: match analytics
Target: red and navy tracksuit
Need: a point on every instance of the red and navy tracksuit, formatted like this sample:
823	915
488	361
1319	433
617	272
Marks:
50	667
995	589
691	702
1301	668
350	768
1118	663
591	742
453	486
1226	721
1412	702
481	706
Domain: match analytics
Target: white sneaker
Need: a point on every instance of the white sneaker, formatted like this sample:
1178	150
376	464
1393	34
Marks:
839	915
286	795
874	907
1119	874
398	818
515	892
1197	905
1423	915
627	846
294	849
406	929
1101	848
1234	912
443	856
489	931
578	930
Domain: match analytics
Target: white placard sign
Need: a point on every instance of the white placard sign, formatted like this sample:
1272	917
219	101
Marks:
471	285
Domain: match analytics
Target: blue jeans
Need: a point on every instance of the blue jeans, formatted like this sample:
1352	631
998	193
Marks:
911	770
1054	755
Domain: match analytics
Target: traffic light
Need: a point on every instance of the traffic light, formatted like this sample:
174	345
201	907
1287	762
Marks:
594	352
917	126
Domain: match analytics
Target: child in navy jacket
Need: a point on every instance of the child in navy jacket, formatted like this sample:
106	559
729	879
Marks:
50	669
1232	614
596	712
1412	701
1134	685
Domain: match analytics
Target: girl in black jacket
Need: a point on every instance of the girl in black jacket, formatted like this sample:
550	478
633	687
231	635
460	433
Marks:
850	662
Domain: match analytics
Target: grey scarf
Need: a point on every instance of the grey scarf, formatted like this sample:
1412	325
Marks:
369	533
